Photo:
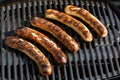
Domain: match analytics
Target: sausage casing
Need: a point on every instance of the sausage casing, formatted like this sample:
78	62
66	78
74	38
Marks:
43	40
57	32
88	18
32	51
71	22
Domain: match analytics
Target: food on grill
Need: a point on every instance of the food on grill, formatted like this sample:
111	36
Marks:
88	18
76	25
32	51
43	40
56	31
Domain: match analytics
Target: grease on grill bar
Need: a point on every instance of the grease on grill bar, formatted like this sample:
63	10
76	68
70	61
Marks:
97	60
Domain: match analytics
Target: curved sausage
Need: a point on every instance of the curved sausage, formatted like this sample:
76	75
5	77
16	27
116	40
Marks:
57	32
43	40
71	22
88	18
32	51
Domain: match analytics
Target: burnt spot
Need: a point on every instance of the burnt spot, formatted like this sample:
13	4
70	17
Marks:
50	25
66	42
45	68
102	31
80	27
95	23
75	23
59	56
99	28
85	33
55	28
50	46
59	35
42	61
65	19
21	45
91	20
62	37
60	16
38	58
23	31
17	42
33	53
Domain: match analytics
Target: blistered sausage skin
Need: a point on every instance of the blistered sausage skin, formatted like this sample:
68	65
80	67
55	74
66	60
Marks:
32	51
57	32
88	18
71	22
43	40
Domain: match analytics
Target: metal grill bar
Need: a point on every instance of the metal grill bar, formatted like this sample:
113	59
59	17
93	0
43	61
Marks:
114	32
24	11
2	49
96	60
29	10
70	68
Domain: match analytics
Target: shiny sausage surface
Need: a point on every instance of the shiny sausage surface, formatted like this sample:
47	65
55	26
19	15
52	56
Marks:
43	40
71	22
32	51
88	18
57	32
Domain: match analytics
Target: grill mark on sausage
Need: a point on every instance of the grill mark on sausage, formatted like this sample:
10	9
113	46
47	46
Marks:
32	51
70	20
55	30
43	40
59	15
65	19
95	23
75	23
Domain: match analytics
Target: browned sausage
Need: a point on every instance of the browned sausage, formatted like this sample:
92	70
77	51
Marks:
43	40
32	51
71	22
56	31
88	18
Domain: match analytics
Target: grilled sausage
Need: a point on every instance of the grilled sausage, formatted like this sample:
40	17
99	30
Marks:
88	18
32	51
56	31
43	40
71	22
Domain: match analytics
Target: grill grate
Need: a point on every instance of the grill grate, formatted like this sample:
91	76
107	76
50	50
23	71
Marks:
99	59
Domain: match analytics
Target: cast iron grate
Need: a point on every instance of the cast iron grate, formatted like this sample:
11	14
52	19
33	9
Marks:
99	59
